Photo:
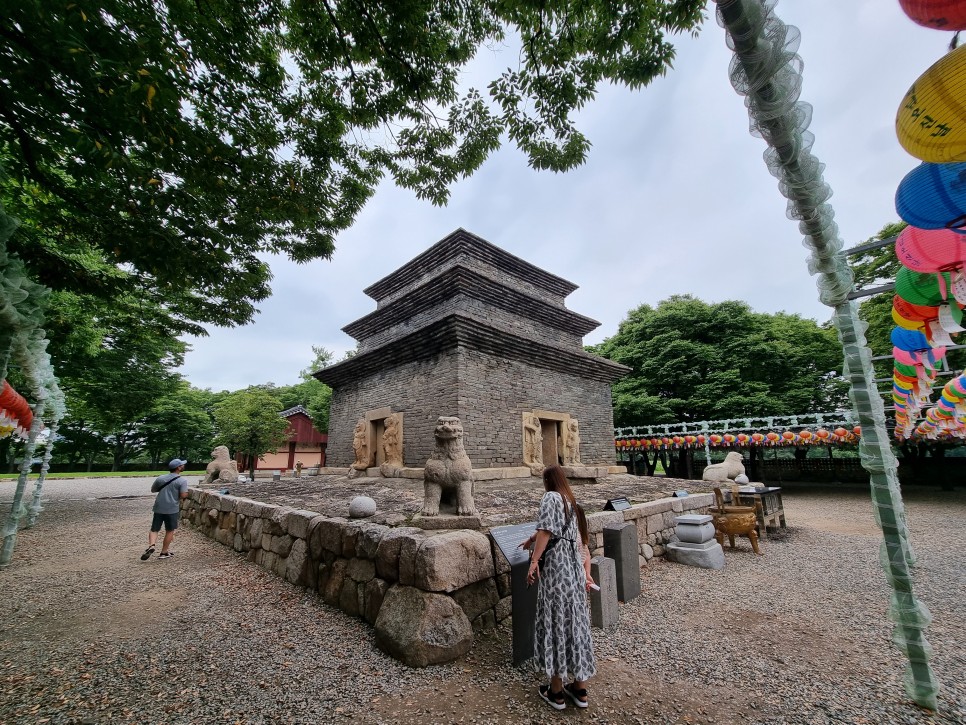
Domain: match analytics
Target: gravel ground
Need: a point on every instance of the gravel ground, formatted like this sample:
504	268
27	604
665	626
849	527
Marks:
799	635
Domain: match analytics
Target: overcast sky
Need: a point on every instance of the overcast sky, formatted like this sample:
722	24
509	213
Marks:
674	198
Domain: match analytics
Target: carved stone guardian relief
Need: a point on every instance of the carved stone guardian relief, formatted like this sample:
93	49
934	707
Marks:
392	445
532	444
360	445
571	443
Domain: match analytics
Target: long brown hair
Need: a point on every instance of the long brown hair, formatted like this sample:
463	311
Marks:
554	479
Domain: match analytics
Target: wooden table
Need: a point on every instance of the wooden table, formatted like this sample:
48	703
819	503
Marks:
771	514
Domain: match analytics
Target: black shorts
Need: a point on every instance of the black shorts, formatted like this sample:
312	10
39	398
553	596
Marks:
170	522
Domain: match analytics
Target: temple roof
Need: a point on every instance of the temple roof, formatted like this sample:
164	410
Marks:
459	280
462	243
459	329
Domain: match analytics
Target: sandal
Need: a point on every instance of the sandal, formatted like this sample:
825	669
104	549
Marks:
554	699
574	694
147	553
165	554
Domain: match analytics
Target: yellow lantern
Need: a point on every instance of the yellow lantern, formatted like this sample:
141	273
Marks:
931	121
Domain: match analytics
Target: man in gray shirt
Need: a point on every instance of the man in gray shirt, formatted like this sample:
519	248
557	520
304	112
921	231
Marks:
171	488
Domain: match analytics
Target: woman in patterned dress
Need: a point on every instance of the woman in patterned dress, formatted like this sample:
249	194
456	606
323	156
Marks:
563	647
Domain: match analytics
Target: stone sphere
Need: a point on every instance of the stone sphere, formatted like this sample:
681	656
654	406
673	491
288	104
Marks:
361	506
741	478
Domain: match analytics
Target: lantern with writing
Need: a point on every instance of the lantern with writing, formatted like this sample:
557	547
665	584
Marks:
931	120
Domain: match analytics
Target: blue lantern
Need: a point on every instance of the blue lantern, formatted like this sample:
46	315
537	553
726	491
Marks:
933	196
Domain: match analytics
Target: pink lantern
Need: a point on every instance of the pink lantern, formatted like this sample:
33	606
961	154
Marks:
931	250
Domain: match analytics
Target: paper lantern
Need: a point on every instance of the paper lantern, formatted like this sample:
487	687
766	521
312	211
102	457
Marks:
857	430
931	250
772	436
757	438
742	438
933	196
931	120
805	435
841	432
729	439
822	434
909	311
715	440
921	288
701	440
788	436
910	340
936	14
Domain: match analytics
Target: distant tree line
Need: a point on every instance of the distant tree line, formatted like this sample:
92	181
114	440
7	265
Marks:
122	412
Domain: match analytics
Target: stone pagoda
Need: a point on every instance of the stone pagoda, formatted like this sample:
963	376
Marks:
468	330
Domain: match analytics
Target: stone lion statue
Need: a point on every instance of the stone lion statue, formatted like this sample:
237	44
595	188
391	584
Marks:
222	468
732	467
448	475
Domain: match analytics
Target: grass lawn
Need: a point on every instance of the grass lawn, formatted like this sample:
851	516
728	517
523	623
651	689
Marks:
99	474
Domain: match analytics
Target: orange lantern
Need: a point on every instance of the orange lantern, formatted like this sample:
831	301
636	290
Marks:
841	432
822	434
757	438
715	440
742	439
772	437
805	435
788	436
857	430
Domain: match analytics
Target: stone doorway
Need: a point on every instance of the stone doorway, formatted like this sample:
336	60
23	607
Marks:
377	453
550	431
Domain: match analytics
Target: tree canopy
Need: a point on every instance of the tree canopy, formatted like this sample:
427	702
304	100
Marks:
161	149
693	360
249	423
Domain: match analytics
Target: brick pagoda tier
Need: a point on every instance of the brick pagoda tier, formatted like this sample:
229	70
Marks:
466	329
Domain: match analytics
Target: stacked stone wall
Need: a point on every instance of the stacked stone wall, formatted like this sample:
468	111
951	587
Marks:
514	323
355	565
424	389
495	392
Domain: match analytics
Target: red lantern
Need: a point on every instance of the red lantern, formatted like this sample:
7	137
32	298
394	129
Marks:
677	440
788	436
715	440
805	435
700	440
841	432
936	14
690	440
822	434
757	438
742	438
857	430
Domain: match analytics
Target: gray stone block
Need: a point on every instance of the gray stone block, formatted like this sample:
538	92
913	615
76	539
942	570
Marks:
604	611
708	555
620	544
